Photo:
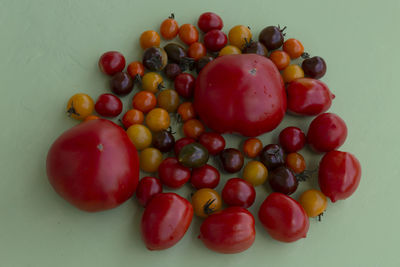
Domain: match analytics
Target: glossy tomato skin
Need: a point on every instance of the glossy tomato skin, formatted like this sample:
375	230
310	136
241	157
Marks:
108	105
184	84
308	97
215	40
238	192
326	132
229	231
78	165
339	175
240	93
292	139
165	220
147	188
283	218
210	21
172	173
205	176
181	143
214	142
112	62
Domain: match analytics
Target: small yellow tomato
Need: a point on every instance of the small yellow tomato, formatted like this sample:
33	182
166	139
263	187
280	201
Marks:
292	72
157	119
239	36
150	158
140	136
80	106
152	82
255	173
205	202
168	100
229	50
314	202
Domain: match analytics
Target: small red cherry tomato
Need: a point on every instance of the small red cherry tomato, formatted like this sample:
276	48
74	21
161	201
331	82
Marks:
292	139
188	34
184	85
147	188
214	142
181	143
327	132
293	47
238	192
215	40
172	173
196	51
108	105
165	220
112	62
210	21
131	117
283	218
339	175
205	176
308	97
230	231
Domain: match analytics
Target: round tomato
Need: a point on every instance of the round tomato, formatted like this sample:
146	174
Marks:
205	176
181	143
308	97
238	192
147	188
230	231
214	142
172	173
206	201
209	21
184	84
339	175
240	93
78	165
165	220
108	105
292	139
283	218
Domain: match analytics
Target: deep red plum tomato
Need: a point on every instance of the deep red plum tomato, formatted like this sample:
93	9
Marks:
238	192
205	176
147	188
165	220
283	218
172	173
214	142
108	105
292	139
339	175
112	62
209	21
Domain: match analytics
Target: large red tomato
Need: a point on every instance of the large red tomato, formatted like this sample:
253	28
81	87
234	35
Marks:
165	220
339	175
229	231
240	93
94	165
283	218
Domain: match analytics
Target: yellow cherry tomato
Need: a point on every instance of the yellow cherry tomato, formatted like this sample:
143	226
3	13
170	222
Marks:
150	158
80	106
314	202
239	36
168	100
205	202
229	50
292	72
255	173
152	82
157	119
140	136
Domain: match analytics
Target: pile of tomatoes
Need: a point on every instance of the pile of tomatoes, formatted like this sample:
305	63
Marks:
228	226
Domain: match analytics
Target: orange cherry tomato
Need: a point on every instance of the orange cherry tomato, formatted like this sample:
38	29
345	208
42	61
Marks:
149	39
193	128
196	51
169	28
158	119
314	202
293	47
144	101
91	117
280	58
206	201
295	162
292	72
135	69
188	34
131	117
186	111
252	147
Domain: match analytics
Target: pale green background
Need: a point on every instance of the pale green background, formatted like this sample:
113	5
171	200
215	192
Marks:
49	51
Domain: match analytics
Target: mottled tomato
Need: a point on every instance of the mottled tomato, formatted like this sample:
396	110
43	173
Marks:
283	218
240	93
205	176
172	173
326	132
309	97
181	143
147	188
339	175
214	142
165	220
230	231
238	192
78	166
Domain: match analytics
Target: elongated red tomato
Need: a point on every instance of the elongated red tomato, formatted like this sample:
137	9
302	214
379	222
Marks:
165	220
229	231
339	175
240	93
79	165
283	218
